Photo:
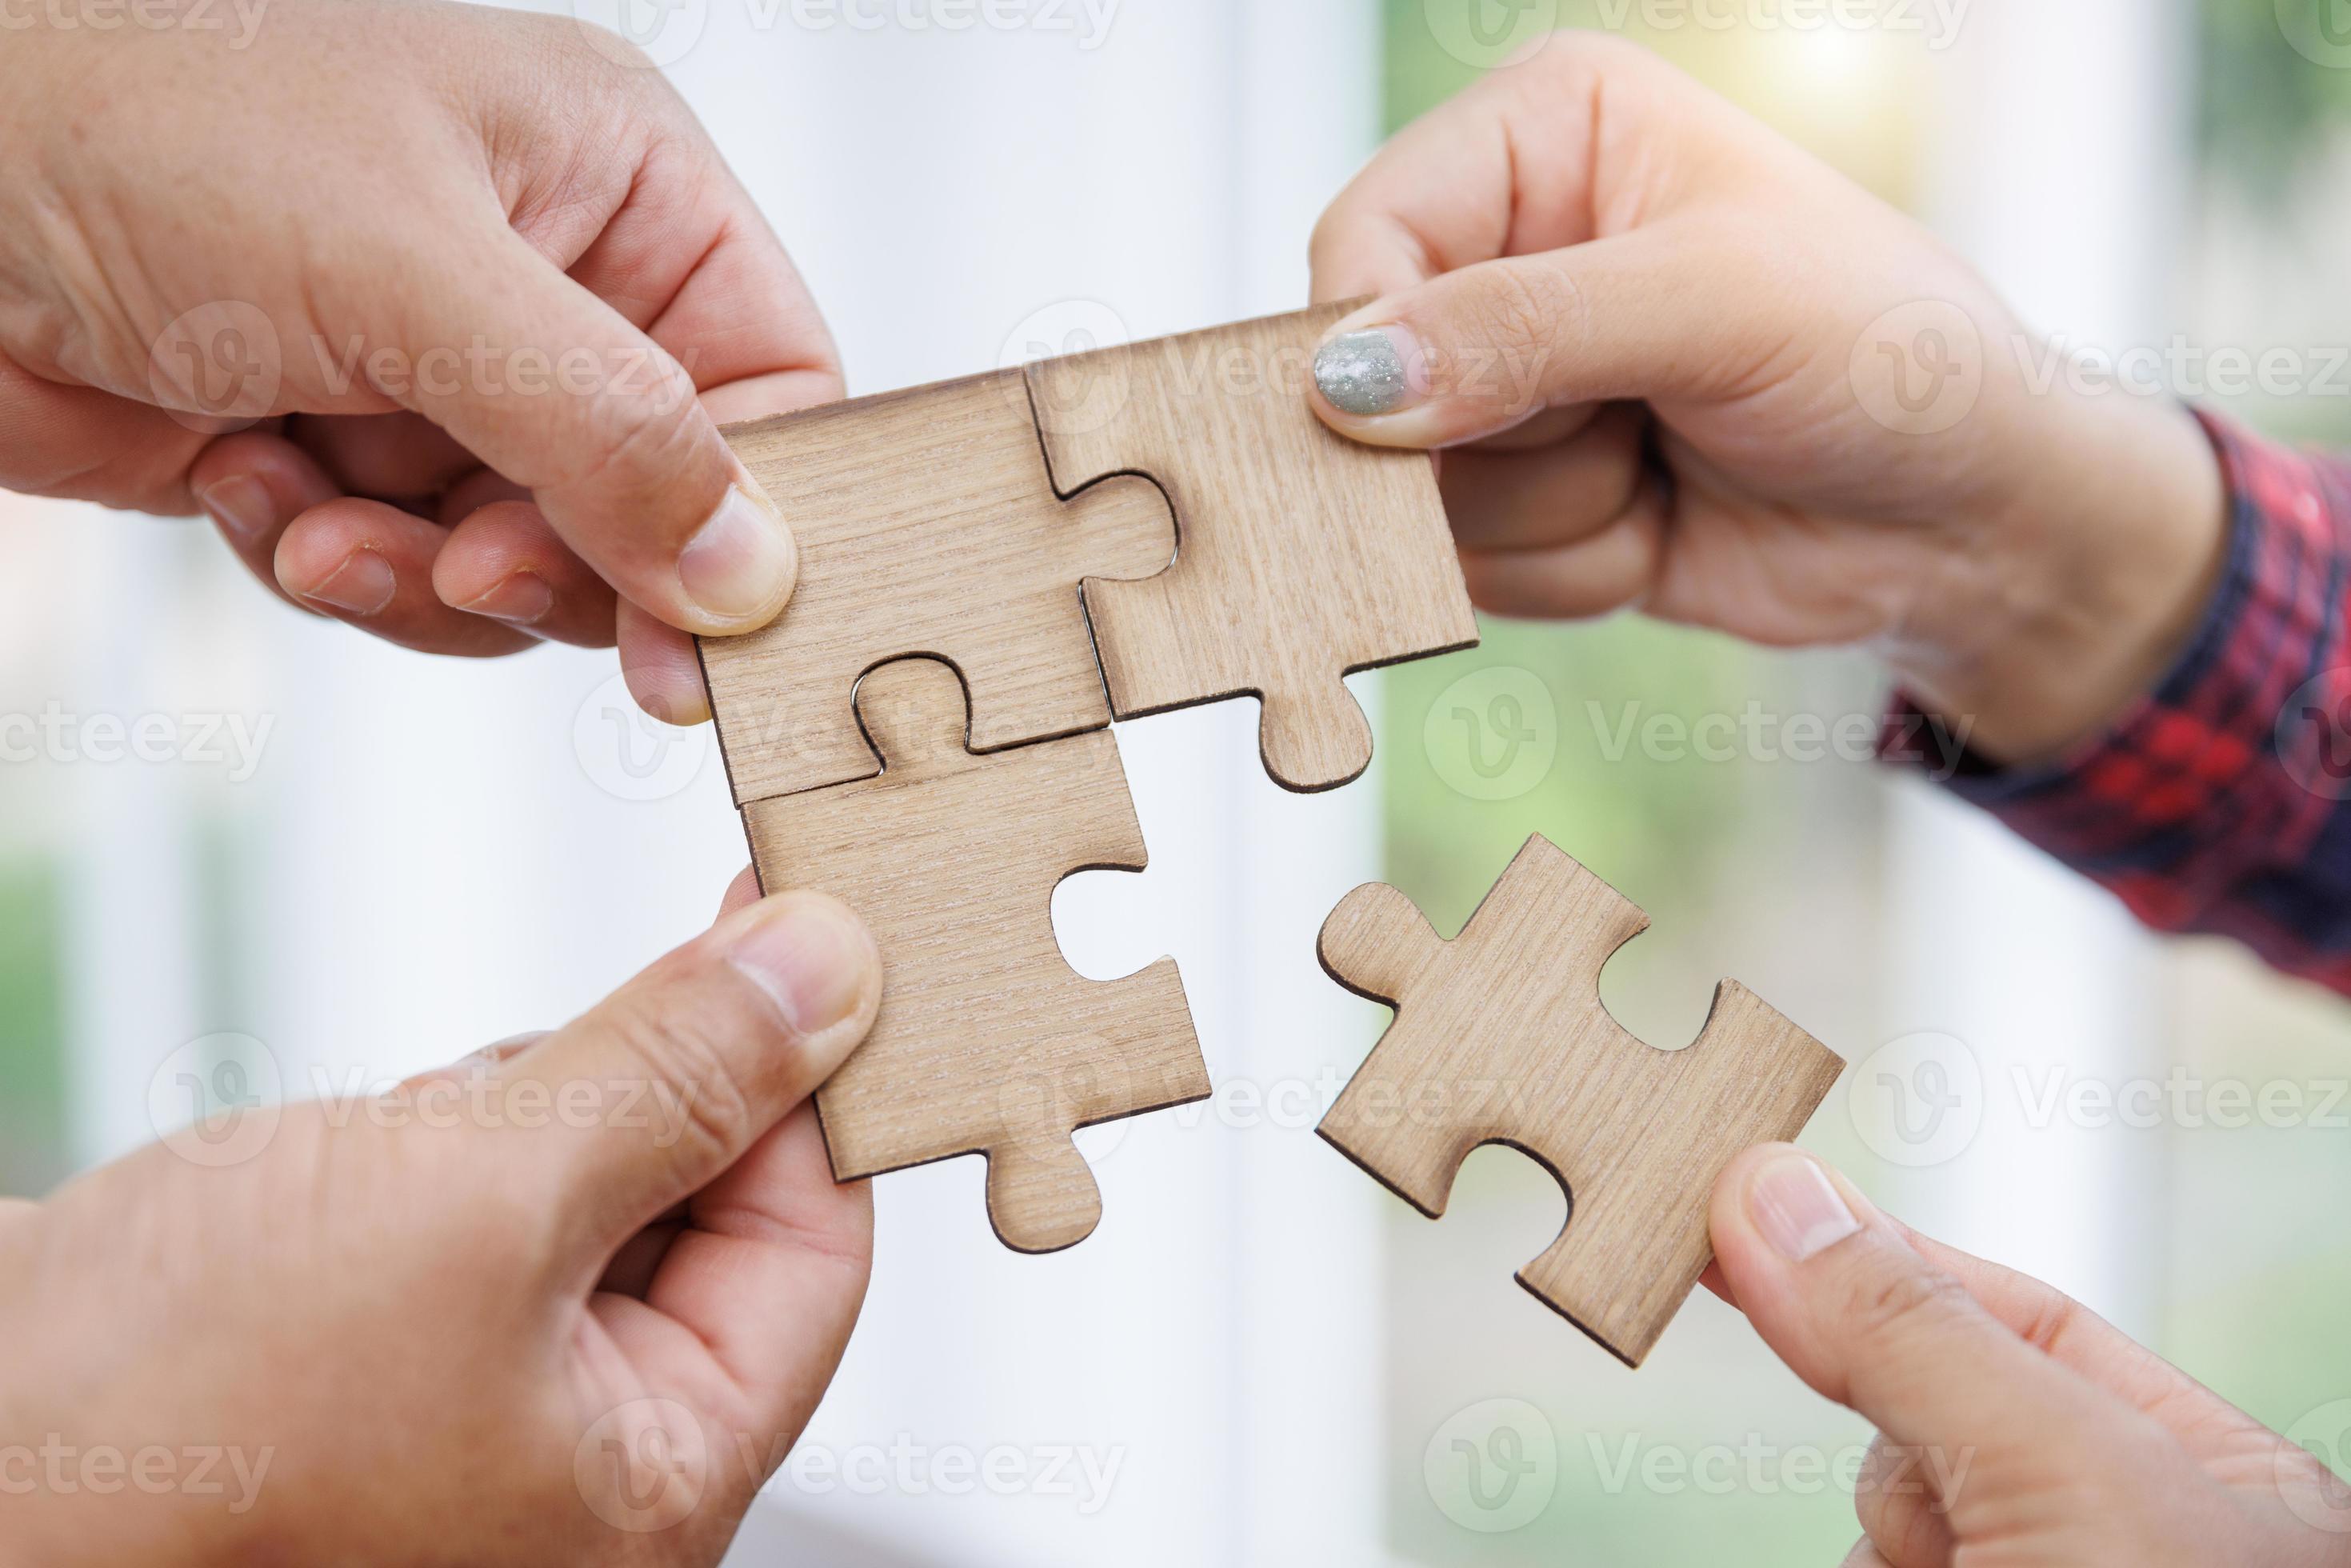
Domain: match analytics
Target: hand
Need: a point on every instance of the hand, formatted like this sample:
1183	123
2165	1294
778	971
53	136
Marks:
1667	354
2013	1425
572	1303
466	267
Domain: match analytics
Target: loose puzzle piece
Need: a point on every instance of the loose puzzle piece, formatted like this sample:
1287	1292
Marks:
987	1041
1500	1038
926	523
1300	556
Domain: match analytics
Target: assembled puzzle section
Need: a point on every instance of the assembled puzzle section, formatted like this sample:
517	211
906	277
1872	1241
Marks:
1300	556
926	523
987	1041
1500	1037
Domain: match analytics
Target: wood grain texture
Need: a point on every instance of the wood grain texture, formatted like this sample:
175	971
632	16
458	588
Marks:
926	523
1301	557
1500	1037
987	1041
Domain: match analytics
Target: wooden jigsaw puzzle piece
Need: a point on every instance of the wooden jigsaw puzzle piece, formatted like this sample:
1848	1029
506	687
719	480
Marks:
988	1042
1500	1037
926	525
1301	557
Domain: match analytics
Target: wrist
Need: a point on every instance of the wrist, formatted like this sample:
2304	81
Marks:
2085	587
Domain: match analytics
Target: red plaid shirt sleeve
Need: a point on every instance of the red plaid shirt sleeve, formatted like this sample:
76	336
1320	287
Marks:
2218	802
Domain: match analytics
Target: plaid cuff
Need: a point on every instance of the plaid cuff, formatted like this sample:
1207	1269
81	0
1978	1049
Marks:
2216	802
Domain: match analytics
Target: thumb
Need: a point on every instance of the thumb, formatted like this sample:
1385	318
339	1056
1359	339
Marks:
1478	350
1838	1292
603	425
659	1089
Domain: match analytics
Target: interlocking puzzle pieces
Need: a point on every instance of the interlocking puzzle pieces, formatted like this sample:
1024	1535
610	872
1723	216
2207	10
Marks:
1300	556
987	1041
926	523
1500	1037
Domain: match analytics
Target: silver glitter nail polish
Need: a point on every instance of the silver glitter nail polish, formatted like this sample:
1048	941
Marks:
1362	374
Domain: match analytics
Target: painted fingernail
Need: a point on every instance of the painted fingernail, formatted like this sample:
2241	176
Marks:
362	585
814	958
520	599
1798	1208
741	562
1368	373
240	504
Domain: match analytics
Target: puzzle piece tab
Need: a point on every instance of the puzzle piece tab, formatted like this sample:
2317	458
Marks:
987	1041
926	525
1500	1038
1300	556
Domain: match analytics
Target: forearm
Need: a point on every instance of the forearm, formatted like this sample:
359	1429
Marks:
2220	801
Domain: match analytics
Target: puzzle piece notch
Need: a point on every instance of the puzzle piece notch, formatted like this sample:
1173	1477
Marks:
1302	557
927	526
987	1042
1500	1038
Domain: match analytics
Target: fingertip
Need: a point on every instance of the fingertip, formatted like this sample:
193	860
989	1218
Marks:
817	962
741	893
659	663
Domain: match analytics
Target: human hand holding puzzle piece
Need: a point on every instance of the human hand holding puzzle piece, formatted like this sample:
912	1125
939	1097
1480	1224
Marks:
995	568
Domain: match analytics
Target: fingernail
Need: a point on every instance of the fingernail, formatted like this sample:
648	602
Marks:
814	958
739	563
1368	373
1797	1208
240	504
362	585
522	599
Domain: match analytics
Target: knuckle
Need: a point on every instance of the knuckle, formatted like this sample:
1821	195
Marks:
1891	1309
